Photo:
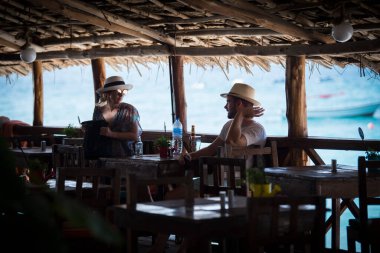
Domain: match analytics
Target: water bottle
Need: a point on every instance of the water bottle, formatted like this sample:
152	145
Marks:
177	138
139	147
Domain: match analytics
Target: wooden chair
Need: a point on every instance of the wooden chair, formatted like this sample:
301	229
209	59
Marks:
222	174
365	230
67	156
94	195
282	224
95	191
133	186
258	152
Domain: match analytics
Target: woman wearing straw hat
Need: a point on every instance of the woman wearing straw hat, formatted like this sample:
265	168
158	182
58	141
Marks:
123	119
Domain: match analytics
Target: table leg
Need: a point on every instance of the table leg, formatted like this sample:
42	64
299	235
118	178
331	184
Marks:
131	241
335	229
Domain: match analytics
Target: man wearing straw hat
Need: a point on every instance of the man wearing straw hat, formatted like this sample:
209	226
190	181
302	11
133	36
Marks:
241	130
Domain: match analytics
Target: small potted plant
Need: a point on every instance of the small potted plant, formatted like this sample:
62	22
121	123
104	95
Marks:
72	133
259	185
162	144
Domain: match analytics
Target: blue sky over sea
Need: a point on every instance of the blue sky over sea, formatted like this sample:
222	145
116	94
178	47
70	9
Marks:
68	93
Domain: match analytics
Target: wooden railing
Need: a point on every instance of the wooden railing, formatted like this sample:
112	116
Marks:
284	144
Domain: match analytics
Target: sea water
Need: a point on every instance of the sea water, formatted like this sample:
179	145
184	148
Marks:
68	93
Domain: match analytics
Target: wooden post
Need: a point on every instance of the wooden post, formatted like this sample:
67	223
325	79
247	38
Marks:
38	117
98	75
296	105
179	90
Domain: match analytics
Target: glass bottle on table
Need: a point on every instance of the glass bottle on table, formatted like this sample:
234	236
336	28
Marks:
139	147
192	139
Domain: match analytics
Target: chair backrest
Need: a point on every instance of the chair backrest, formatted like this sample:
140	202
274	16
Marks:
365	168
255	151
135	184
286	221
222	174
67	156
100	189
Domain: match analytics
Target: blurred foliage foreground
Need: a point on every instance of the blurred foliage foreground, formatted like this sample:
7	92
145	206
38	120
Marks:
31	216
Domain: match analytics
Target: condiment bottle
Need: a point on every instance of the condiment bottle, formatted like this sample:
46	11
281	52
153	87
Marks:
192	139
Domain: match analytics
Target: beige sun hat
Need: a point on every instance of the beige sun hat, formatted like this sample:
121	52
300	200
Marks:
114	83
243	91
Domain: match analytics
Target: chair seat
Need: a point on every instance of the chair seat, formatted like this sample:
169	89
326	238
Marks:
364	230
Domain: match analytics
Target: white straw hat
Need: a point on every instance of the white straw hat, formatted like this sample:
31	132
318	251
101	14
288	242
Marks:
243	91
114	83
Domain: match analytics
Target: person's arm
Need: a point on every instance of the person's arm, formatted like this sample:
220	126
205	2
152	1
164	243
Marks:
133	118
131	135
210	150
235	136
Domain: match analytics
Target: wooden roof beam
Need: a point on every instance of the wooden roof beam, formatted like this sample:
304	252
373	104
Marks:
368	46
11	41
167	8
89	19
252	14
134	10
43	16
245	31
87	39
110	17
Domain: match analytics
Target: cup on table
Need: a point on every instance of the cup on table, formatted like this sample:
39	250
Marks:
43	145
333	165
222	195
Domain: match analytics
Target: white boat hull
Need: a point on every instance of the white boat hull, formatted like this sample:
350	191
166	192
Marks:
350	111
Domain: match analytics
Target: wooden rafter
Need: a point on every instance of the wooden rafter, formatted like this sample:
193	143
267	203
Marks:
11	41
110	17
89	19
308	50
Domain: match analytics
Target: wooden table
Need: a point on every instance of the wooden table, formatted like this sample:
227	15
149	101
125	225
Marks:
145	166
341	187
204	220
31	153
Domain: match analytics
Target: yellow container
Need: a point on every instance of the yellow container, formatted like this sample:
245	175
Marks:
261	190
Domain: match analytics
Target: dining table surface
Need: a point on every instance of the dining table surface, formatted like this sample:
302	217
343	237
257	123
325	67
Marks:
206	218
150	166
340	185
26	153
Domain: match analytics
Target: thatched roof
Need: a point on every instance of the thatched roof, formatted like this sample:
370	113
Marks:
242	32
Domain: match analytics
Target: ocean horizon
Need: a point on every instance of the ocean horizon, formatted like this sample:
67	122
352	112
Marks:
68	94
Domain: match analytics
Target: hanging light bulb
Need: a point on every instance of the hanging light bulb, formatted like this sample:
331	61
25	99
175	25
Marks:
342	32
28	54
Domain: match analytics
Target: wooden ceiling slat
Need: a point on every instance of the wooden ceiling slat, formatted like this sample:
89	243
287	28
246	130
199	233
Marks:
110	17
259	17
89	19
135	10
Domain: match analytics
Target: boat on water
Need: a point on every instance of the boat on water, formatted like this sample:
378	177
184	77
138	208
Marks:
344	111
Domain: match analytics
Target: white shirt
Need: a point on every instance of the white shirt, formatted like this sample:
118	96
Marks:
254	133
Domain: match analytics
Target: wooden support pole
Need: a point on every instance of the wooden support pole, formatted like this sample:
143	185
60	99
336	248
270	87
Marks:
296	105
180	104
98	75
38	117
